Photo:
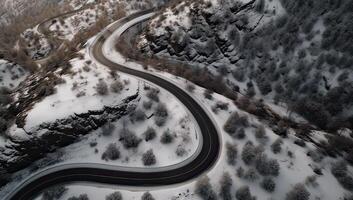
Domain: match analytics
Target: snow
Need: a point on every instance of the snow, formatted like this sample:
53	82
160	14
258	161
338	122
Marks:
11	75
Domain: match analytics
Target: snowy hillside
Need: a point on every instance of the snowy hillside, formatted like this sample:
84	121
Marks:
285	52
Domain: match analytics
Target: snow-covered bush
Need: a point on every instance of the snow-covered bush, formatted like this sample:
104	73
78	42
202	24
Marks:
129	138
160	114
116	86
240	172
234	122
114	196
5	97
311	181
180	151
3	125
268	184
54	193
204	189
226	183
137	115
149	158
266	166
108	128
243	193
248	153
150	134
277	146
208	94
190	87
81	197
111	153
232	153
147	196
299	192
260	133
153	94
167	137
147	105
251	175
340	171
102	88
240	134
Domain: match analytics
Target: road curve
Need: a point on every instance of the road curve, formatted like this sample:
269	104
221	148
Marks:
207	157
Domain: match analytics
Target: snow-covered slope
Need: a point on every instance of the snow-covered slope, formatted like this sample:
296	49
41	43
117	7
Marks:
280	50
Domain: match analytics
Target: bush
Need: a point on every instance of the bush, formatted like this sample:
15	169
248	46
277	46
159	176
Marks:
149	158
117	86
153	94
299	192
160	114
204	189
339	169
138	115
243	193
54	193
81	197
208	94
149	134
240	172
111	153
108	128
3	125
147	104
190	87
249	153
114	196
251	175
311	181
268	184
266	166
5	97
277	146
180	151
102	88
147	196
234	122
260	133
129	139
226	183
240	134
232	153
167	137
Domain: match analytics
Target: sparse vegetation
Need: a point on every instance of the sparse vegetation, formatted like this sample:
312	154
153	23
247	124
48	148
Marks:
232	153
150	134
80	197
204	189
268	184
102	88
299	192
112	152
54	193
147	196
167	137
114	196
243	193
149	158
160	114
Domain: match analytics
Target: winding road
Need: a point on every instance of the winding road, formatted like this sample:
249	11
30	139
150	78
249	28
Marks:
204	161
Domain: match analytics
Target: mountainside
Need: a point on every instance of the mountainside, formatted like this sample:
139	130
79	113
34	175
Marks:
293	53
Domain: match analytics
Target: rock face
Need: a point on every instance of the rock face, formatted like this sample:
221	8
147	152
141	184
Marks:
62	132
